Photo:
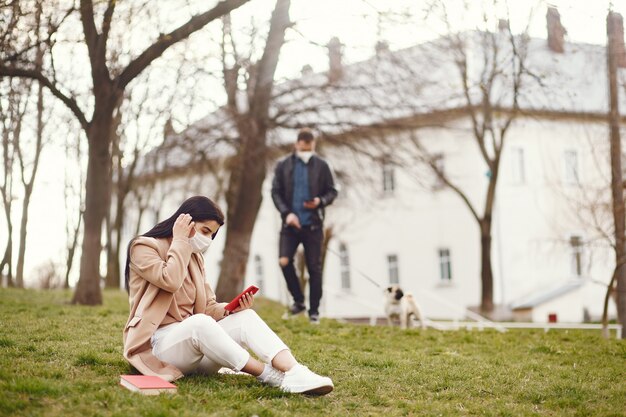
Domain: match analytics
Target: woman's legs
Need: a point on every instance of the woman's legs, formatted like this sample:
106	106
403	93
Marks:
185	344
250	331
284	361
199	343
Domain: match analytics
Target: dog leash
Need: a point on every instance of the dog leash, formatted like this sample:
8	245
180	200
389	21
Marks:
356	269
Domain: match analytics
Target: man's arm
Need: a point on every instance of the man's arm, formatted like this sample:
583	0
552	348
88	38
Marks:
328	182
278	191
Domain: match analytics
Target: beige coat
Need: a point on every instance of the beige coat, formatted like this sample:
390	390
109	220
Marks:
157	270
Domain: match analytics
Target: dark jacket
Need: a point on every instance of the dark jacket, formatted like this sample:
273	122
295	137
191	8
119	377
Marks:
321	184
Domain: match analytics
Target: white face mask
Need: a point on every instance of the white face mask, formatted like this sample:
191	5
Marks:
200	243
304	155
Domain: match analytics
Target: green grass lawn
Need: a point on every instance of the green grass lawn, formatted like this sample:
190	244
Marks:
62	360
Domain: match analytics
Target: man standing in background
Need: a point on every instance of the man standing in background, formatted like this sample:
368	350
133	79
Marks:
303	185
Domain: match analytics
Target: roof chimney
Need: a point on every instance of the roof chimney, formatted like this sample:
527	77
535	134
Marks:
503	25
382	47
306	70
615	28
335	70
556	31
168	128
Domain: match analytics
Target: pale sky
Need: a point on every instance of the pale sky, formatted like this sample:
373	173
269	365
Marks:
356	24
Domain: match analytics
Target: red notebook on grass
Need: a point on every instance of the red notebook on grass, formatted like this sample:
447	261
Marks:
147	385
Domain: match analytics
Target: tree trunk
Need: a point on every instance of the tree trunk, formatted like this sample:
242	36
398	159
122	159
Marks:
617	176
113	258
605	309
21	252
486	272
71	251
244	198
248	167
114	218
97	199
115	235
28	185
329	233
7	259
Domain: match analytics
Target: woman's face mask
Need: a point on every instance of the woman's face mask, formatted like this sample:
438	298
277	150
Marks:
200	243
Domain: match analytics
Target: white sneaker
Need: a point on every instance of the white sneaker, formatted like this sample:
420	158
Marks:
273	377
300	379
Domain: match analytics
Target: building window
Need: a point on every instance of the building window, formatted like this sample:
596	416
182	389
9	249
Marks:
518	169
258	271
445	265
389	180
440	166
394	275
344	260
572	173
576	245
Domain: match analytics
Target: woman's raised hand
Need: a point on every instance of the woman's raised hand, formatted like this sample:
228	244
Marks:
182	226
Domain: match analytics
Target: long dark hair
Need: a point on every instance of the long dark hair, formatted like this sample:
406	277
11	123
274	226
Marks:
200	209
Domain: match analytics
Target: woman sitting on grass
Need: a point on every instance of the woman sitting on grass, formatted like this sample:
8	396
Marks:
175	325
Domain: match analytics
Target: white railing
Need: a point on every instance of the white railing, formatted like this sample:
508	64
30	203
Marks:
456	325
480	322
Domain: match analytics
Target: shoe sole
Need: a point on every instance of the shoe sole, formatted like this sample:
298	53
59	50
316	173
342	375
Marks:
319	390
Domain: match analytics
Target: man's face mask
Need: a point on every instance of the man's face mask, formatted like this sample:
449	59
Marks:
305	156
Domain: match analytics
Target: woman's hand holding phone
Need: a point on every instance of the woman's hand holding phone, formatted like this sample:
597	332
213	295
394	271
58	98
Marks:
243	301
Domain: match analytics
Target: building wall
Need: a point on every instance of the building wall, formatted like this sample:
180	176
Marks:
568	309
533	222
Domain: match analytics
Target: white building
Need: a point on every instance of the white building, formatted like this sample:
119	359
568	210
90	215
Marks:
396	225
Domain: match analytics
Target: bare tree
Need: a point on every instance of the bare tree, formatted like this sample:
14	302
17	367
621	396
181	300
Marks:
614	22
127	152
28	180
490	70
73	188
247	168
12	111
47	276
109	81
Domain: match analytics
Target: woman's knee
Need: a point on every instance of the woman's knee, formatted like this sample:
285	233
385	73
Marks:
283	261
201	321
248	314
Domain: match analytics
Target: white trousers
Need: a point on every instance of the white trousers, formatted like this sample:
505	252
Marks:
199	344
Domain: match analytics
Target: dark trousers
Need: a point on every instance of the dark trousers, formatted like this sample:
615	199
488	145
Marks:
311	238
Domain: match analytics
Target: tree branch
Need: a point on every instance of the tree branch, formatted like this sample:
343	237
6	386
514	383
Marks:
36	75
426	157
108	17
267	66
154	51
51	33
89	27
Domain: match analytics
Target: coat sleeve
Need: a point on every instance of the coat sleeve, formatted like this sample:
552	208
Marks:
213	308
167	275
328	186
278	191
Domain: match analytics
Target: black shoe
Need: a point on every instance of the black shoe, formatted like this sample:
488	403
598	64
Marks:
296	308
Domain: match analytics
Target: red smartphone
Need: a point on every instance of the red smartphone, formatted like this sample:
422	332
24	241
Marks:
235	303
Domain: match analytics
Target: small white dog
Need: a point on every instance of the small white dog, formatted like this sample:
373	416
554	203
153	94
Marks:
402	306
